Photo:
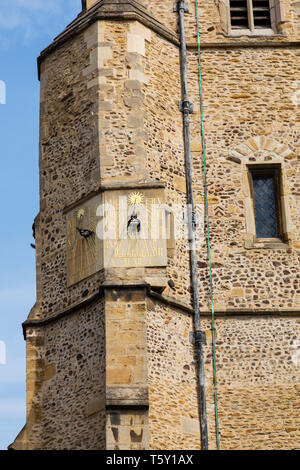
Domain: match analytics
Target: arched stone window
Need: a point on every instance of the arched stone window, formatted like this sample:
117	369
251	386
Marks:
266	193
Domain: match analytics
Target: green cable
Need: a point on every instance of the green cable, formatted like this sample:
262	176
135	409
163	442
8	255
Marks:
208	234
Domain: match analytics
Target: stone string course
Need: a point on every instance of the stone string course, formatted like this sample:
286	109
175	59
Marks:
109	114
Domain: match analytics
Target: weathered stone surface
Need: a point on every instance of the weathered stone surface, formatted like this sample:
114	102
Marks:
95	406
49	372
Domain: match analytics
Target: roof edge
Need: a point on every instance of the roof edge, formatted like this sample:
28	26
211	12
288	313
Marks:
118	10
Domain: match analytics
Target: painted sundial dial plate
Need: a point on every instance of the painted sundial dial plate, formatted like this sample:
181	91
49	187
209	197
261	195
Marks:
137	220
84	248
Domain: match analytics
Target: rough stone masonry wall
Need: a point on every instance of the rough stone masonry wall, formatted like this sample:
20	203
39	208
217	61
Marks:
121	119
74	394
248	106
165	147
173	412
69	165
258	382
250	116
66	383
69	402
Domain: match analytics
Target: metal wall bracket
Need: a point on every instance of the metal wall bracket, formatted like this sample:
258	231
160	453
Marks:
186	106
181	4
195	218
198	337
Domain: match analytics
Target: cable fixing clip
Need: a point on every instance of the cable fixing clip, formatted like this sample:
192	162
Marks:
181	4
186	106
198	337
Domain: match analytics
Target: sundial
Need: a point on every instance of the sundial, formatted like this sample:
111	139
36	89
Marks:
140	229
116	229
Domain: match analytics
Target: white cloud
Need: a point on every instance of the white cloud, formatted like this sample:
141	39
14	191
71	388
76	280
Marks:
34	17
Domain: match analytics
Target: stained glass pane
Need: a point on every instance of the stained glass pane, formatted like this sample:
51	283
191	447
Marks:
265	207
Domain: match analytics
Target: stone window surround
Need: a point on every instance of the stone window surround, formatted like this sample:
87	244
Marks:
264	151
251	241
277	17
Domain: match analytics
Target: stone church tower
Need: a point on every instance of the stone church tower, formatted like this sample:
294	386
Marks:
111	360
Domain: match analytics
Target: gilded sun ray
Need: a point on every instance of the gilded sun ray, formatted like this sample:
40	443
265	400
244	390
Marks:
136	198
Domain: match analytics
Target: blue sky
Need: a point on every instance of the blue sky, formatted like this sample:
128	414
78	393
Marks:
26	27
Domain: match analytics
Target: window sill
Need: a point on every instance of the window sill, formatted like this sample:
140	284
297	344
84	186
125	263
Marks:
237	33
268	244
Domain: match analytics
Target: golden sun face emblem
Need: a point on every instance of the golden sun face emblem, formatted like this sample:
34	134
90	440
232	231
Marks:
136	199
